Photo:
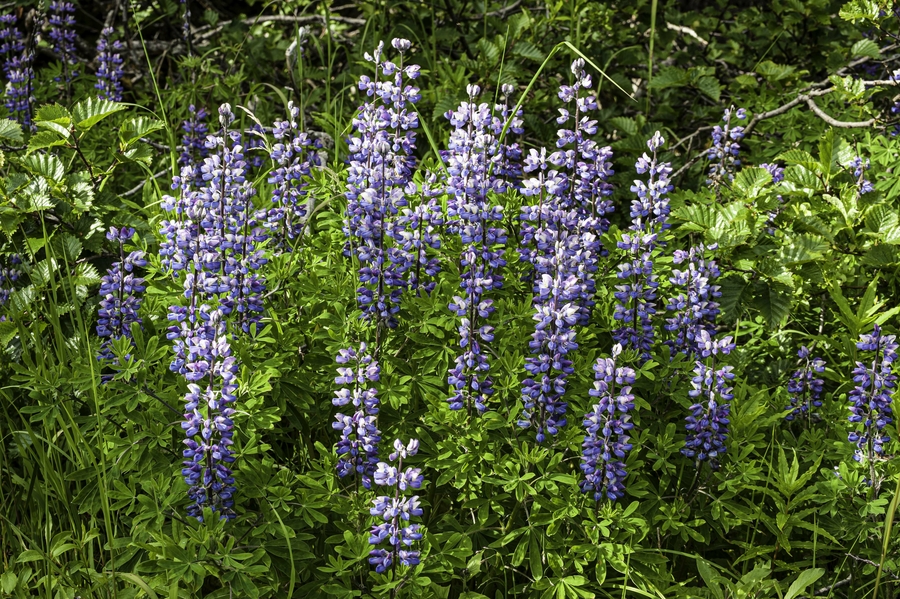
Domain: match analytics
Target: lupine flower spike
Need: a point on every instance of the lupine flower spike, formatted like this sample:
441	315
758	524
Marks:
870	400
62	35
193	142
724	154
358	447
473	149
120	291
394	536
607	427
860	167
805	388
694	309
381	163
109	73
649	218
295	155
707	426
17	69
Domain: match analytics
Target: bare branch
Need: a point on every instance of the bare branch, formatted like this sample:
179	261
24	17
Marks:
834	122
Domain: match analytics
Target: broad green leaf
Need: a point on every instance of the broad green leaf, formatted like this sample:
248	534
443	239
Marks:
134	129
806	578
46	165
773	300
860	9
91	111
865	47
669	76
775	72
802	249
733	289
54	113
526	49
751	181
710	87
11	131
30	555
43	140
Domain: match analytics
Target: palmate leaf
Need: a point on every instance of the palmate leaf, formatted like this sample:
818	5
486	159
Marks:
91	111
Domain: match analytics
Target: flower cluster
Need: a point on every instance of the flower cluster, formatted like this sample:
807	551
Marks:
358	447
211	372
193	142
294	154
253	139
17	69
636	299
723	155
606	437
62	34
707	426
109	73
379	177
120	292
212	237
8	275
776	171
562	250
804	387
509	168
394	513
588	166
870	400
472	153
860	167
695	308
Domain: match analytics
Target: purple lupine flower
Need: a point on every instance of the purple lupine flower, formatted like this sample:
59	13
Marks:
17	69
208	425
120	292
776	171
562	253
109	73
606	438
8	276
295	154
804	387
860	167
723	155
472	151
62	35
381	165
193	142
587	169
870	400
253	138
416	230
707	426
636	299
509	168
394	514
695	308
358	447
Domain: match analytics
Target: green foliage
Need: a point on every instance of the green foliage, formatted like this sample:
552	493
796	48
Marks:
91	497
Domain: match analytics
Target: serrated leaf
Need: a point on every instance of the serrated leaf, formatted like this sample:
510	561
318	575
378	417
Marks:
710	87
526	49
751	182
775	72
11	130
46	165
800	157
865	47
54	113
860	9
66	247
669	76
488	50
625	124
733	288
35	196
802	249
803	179
43	140
91	111
881	255
697	217
773	300
134	129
